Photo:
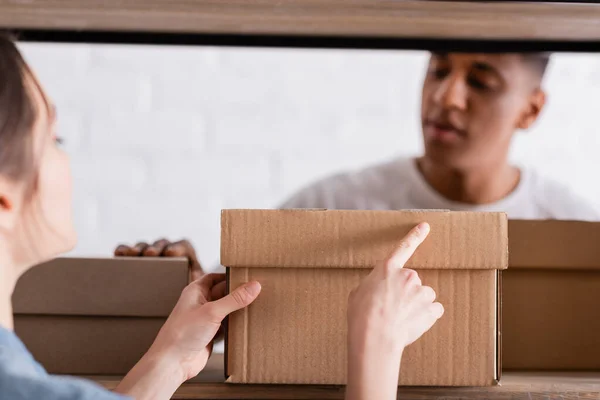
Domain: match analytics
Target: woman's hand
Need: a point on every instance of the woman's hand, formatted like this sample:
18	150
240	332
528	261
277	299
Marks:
189	332
388	311
184	344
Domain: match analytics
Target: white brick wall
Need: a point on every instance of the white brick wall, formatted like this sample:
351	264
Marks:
163	138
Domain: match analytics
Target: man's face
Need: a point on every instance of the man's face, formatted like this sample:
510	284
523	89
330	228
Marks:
473	103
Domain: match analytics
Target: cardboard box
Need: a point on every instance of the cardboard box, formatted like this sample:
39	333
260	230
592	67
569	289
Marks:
309	260
551	293
95	316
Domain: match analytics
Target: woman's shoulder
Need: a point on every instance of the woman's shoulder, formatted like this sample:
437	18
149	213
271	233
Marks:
22	378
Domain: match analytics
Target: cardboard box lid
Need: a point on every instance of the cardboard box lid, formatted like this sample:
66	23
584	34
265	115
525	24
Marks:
554	244
359	239
143	287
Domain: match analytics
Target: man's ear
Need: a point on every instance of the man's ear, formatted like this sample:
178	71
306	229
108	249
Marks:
534	107
8	206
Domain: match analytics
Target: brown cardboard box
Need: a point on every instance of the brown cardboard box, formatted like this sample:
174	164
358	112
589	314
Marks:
309	260
95	316
551	296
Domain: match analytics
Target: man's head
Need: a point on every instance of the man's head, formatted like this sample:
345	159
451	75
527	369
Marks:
472	104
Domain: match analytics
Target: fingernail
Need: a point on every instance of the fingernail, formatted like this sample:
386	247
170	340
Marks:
253	288
423	228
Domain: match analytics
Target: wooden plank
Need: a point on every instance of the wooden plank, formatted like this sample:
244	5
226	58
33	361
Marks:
514	385
325	18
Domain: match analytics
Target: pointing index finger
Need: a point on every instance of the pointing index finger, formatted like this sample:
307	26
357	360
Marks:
404	251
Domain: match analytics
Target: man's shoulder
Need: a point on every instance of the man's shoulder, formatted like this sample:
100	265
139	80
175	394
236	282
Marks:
558	201
349	189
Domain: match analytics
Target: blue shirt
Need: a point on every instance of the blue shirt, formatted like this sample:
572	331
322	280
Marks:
22	378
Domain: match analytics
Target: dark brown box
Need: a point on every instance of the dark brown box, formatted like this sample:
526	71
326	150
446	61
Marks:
94	316
551	296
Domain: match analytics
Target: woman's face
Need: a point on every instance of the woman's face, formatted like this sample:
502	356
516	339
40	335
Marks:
44	226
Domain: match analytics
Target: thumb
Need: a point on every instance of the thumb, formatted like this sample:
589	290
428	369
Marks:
241	297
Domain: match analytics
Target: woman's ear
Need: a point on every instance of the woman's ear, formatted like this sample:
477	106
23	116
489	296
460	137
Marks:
536	103
8	209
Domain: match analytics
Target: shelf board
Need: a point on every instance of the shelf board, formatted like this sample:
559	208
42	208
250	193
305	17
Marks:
305	19
513	385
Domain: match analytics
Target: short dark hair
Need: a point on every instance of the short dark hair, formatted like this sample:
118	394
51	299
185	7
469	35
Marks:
539	61
18	113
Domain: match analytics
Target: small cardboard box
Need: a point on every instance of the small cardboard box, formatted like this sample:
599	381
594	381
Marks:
551	296
309	260
95	316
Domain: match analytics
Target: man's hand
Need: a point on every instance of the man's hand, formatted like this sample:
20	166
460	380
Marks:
164	248
388	311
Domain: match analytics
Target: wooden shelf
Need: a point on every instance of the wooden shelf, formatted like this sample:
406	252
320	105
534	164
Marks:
324	18
515	385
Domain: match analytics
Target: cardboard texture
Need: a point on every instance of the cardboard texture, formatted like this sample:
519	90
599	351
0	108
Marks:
95	316
308	261
551	292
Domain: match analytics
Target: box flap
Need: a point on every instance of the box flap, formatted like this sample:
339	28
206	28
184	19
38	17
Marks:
499	326
358	239
145	287
554	244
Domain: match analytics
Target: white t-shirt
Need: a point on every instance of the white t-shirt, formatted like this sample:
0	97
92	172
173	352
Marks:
398	184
